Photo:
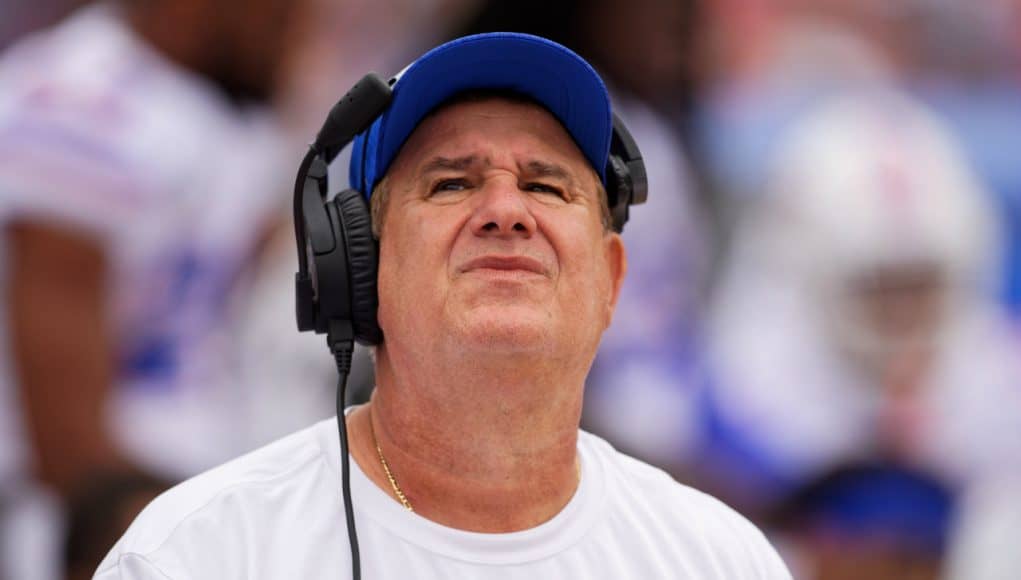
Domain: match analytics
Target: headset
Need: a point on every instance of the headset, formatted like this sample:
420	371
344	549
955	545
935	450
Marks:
335	287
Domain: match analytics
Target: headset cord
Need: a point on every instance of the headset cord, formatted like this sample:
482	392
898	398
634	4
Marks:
342	355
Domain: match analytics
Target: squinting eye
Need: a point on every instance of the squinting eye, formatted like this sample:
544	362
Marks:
451	185
543	188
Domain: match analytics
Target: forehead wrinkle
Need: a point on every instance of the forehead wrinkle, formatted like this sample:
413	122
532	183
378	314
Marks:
440	163
547	169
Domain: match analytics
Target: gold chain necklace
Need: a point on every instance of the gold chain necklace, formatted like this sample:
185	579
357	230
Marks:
389	474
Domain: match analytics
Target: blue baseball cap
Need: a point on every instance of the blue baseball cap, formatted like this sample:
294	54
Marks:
538	68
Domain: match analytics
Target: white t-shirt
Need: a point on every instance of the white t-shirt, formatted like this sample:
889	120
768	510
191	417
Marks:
278	513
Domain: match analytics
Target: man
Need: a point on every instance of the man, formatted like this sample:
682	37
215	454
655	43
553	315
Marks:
135	182
498	273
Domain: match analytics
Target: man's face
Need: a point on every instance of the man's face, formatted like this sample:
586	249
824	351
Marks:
492	237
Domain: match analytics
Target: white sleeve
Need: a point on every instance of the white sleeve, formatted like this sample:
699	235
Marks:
768	563
130	567
748	553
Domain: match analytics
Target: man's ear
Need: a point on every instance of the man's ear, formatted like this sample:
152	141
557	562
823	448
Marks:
616	262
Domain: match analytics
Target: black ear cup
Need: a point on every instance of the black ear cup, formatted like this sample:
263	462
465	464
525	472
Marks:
626	181
618	191
352	213
337	260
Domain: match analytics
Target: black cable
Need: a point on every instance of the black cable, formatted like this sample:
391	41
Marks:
342	354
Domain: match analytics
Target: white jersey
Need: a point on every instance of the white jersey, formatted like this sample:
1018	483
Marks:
102	135
278	513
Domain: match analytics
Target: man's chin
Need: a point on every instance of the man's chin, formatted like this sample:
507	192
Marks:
507	330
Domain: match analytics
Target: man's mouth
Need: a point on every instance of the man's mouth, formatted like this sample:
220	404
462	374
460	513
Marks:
505	263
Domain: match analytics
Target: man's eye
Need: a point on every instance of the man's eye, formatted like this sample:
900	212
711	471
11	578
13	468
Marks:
458	184
543	188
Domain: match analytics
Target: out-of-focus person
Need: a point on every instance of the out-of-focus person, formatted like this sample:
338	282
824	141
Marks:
856	317
138	172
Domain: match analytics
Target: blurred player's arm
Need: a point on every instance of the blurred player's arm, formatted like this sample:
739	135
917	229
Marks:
63	350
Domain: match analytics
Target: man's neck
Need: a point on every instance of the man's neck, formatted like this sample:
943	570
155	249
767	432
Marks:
473	447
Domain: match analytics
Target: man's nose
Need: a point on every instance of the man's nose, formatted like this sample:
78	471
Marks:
502	211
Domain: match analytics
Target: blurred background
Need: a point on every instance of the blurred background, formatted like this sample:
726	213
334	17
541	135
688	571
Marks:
821	323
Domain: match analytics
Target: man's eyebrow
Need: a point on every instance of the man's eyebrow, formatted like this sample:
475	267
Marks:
546	169
535	167
449	164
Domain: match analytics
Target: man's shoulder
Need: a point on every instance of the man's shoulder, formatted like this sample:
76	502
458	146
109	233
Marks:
648	481
691	521
247	491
